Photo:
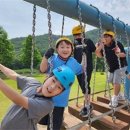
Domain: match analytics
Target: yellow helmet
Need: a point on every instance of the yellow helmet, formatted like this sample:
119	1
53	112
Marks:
63	39
109	33
78	29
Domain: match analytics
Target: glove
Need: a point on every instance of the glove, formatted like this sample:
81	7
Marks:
49	53
84	48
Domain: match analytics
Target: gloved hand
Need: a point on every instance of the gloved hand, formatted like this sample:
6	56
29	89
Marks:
84	48
49	53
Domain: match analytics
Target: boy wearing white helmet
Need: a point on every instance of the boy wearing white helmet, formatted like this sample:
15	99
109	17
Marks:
35	100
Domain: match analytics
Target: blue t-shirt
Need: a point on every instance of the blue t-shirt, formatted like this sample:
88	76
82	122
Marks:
55	61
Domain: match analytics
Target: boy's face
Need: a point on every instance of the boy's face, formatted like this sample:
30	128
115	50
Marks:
77	36
64	49
51	87
108	39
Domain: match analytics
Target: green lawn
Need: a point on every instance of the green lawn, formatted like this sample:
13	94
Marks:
5	103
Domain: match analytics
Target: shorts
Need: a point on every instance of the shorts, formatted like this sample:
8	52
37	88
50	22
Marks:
117	76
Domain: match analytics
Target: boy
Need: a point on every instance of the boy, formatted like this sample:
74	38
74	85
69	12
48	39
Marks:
35	101
50	61
89	49
113	52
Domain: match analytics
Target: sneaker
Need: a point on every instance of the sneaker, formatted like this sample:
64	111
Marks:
114	102
121	97
85	111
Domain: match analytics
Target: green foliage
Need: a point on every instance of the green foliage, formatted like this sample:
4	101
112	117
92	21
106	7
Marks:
26	53
6	49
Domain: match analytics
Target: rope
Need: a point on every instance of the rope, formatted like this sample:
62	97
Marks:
33	37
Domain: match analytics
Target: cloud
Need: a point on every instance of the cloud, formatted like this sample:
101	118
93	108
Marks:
118	9
16	16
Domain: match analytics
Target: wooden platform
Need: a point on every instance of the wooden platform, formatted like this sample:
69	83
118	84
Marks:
104	123
70	121
106	100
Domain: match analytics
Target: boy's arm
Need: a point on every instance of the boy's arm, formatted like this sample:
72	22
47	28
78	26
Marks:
13	95
8	72
98	50
44	65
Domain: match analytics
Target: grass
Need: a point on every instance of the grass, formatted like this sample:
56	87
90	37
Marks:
5	102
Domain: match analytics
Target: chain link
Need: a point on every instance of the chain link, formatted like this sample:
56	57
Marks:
84	56
49	23
33	38
50	45
51	120
128	42
128	54
62	30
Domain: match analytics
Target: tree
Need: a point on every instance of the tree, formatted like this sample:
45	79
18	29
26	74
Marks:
6	49
26	53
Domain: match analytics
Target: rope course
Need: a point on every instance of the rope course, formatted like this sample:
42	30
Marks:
84	59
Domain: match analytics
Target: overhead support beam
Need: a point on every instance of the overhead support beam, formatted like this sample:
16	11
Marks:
90	14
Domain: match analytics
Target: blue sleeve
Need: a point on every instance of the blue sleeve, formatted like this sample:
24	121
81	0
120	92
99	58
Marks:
50	64
75	66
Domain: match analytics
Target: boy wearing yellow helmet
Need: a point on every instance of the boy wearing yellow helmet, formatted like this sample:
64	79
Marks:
112	52
50	61
78	33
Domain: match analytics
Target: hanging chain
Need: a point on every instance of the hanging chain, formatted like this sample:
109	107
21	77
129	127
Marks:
62	30
94	77
128	54
95	61
50	45
51	120
104	54
128	43
84	57
114	27
33	38
49	23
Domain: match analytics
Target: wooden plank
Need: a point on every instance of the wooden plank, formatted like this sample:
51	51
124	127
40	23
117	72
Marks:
120	114
107	100
103	123
70	121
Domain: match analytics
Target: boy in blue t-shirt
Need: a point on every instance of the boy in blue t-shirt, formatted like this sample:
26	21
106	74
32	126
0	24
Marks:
50	61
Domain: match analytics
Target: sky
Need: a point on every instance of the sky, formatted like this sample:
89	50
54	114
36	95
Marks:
16	17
